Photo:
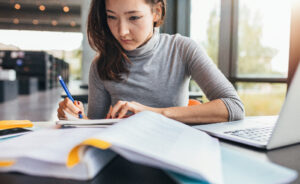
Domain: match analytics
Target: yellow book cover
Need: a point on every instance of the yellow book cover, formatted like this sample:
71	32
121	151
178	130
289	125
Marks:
7	124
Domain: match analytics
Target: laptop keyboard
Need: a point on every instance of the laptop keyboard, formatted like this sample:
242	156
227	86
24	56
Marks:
257	134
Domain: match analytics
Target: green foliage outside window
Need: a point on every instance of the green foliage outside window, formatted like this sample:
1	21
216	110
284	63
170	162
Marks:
254	59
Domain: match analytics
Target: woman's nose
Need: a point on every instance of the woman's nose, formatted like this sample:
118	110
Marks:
123	28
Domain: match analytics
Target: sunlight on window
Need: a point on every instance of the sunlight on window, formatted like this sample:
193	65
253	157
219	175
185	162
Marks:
63	45
263	38
41	40
263	51
204	29
262	98
205	23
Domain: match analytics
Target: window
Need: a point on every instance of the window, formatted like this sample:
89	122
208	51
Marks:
204	29
263	34
254	47
204	26
262	98
263	53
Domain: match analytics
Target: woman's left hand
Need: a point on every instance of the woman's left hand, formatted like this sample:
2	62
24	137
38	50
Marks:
122	107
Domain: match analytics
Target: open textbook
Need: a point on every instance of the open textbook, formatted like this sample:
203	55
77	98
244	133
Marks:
147	138
188	155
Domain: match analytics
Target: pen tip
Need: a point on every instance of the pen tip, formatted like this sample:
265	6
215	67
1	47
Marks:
59	77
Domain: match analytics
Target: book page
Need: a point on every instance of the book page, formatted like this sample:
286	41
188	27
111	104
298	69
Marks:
49	145
93	160
146	138
45	153
155	140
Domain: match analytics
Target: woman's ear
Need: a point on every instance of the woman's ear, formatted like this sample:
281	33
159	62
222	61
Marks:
157	11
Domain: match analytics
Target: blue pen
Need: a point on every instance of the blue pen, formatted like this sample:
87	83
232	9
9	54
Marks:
67	91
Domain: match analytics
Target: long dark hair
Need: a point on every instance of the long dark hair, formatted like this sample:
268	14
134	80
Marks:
112	60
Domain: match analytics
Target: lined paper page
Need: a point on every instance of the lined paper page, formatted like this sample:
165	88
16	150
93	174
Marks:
155	140
51	145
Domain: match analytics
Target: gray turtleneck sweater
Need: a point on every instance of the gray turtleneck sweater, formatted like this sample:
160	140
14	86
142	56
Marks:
159	77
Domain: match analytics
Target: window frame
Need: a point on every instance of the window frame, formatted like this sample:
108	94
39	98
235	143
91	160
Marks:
228	46
178	21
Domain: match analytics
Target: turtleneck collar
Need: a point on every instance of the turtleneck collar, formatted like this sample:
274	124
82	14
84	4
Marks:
147	48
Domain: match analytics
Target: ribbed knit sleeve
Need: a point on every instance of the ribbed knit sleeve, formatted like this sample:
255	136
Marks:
210	79
99	99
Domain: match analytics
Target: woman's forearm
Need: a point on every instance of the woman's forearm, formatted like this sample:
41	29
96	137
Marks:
211	112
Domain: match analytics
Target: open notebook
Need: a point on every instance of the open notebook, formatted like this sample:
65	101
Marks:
89	123
74	122
146	138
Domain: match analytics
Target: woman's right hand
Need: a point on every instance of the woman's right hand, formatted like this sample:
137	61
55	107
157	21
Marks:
71	108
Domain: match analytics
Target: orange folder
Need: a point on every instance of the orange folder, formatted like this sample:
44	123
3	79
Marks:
6	124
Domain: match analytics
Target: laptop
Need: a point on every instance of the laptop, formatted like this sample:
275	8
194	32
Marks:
266	132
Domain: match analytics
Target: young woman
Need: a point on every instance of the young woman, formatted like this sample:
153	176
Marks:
138	68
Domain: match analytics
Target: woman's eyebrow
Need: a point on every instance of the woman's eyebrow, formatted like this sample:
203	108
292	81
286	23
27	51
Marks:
110	11
133	11
128	12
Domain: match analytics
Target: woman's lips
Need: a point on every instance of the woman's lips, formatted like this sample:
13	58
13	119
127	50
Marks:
126	41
